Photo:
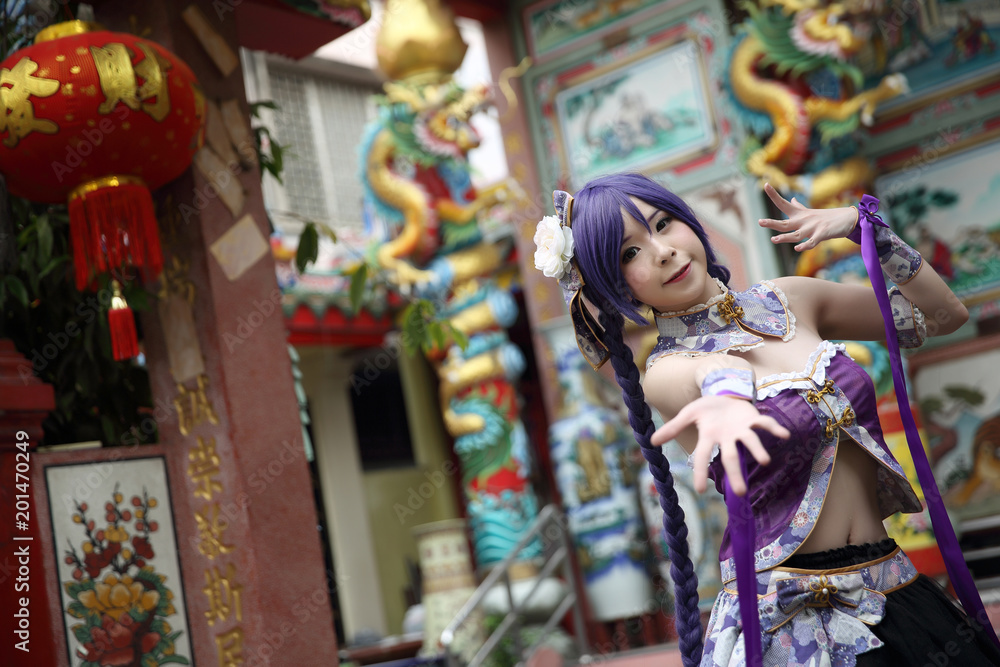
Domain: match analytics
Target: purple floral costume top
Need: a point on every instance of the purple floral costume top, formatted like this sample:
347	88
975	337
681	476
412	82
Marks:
831	398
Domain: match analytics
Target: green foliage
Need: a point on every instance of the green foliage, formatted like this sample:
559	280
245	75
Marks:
424	330
65	336
270	154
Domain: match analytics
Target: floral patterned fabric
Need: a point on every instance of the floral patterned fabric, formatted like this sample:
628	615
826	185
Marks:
736	382
809	618
735	321
911	329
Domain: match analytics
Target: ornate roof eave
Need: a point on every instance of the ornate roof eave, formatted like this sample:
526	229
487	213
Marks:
296	28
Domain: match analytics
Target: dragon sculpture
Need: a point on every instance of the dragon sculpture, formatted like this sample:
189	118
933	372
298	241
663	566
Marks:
415	172
794	72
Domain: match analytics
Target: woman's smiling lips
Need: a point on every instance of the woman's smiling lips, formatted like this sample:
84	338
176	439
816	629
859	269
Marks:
680	275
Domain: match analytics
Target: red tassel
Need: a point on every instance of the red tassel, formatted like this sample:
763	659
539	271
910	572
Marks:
113	225
124	340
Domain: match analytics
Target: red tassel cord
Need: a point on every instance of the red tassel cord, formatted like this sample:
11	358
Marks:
113	225
124	341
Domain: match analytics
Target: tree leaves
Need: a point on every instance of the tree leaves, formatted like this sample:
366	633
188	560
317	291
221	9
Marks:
308	249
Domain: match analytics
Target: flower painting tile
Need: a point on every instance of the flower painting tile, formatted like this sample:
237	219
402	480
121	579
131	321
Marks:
120	582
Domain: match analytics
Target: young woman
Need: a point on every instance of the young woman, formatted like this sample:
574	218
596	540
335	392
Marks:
758	368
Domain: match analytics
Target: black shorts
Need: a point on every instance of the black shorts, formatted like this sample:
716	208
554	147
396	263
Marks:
922	627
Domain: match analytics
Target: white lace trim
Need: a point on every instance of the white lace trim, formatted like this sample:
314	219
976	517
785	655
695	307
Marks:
788	311
711	457
818	361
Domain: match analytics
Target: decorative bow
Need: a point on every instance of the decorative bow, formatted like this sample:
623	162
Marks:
869	209
844	593
588	331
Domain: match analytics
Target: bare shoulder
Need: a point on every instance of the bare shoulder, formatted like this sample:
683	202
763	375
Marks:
835	310
672	382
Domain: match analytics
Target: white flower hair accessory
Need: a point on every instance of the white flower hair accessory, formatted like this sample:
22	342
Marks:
555	257
554	247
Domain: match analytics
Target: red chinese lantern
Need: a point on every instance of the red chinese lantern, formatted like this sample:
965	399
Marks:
98	119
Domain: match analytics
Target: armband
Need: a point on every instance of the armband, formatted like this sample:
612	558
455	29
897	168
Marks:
734	382
899	261
911	329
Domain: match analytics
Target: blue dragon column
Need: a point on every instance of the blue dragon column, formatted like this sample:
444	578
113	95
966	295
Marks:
596	461
415	171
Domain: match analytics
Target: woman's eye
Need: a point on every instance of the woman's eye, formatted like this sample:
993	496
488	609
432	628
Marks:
629	254
661	224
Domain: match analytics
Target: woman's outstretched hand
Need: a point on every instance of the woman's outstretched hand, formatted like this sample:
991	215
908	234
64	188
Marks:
806	227
724	421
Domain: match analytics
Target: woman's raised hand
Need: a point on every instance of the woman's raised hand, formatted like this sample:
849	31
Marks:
806	227
724	421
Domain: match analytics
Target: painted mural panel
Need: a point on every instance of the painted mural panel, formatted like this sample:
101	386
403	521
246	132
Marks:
120	580
959	396
949	210
612	111
619	118
942	46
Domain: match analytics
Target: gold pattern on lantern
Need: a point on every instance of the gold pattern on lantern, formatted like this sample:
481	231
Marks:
114	69
152	69
89	91
119	80
18	115
69	116
223	593
75	69
230	646
67	89
203	466
126	125
193	406
210	531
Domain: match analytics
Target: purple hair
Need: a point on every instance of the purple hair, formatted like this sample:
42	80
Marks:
597	233
598	229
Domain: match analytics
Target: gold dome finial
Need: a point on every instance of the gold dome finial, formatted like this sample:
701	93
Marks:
419	41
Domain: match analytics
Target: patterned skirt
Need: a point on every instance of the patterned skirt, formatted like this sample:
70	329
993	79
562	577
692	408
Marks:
859	605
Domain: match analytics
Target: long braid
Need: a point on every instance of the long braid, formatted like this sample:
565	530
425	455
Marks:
641	420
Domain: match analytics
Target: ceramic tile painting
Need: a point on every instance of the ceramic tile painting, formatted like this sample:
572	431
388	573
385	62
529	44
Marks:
120	582
622	117
949	209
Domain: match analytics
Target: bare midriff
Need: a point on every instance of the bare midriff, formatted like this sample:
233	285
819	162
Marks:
850	513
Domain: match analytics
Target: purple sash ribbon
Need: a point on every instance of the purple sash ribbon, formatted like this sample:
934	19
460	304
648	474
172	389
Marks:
741	532
958	571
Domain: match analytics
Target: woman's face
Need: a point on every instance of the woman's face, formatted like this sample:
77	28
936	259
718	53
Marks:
665	269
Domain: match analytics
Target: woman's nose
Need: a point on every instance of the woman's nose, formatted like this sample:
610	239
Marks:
665	252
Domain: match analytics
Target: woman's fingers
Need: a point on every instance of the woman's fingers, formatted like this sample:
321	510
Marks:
755	447
771	425
700	461
730	457
672	428
783	204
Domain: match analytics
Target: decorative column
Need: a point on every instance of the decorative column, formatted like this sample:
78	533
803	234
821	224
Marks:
416	176
253	574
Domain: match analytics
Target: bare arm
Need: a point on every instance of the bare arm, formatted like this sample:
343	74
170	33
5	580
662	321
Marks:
673	386
851	311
